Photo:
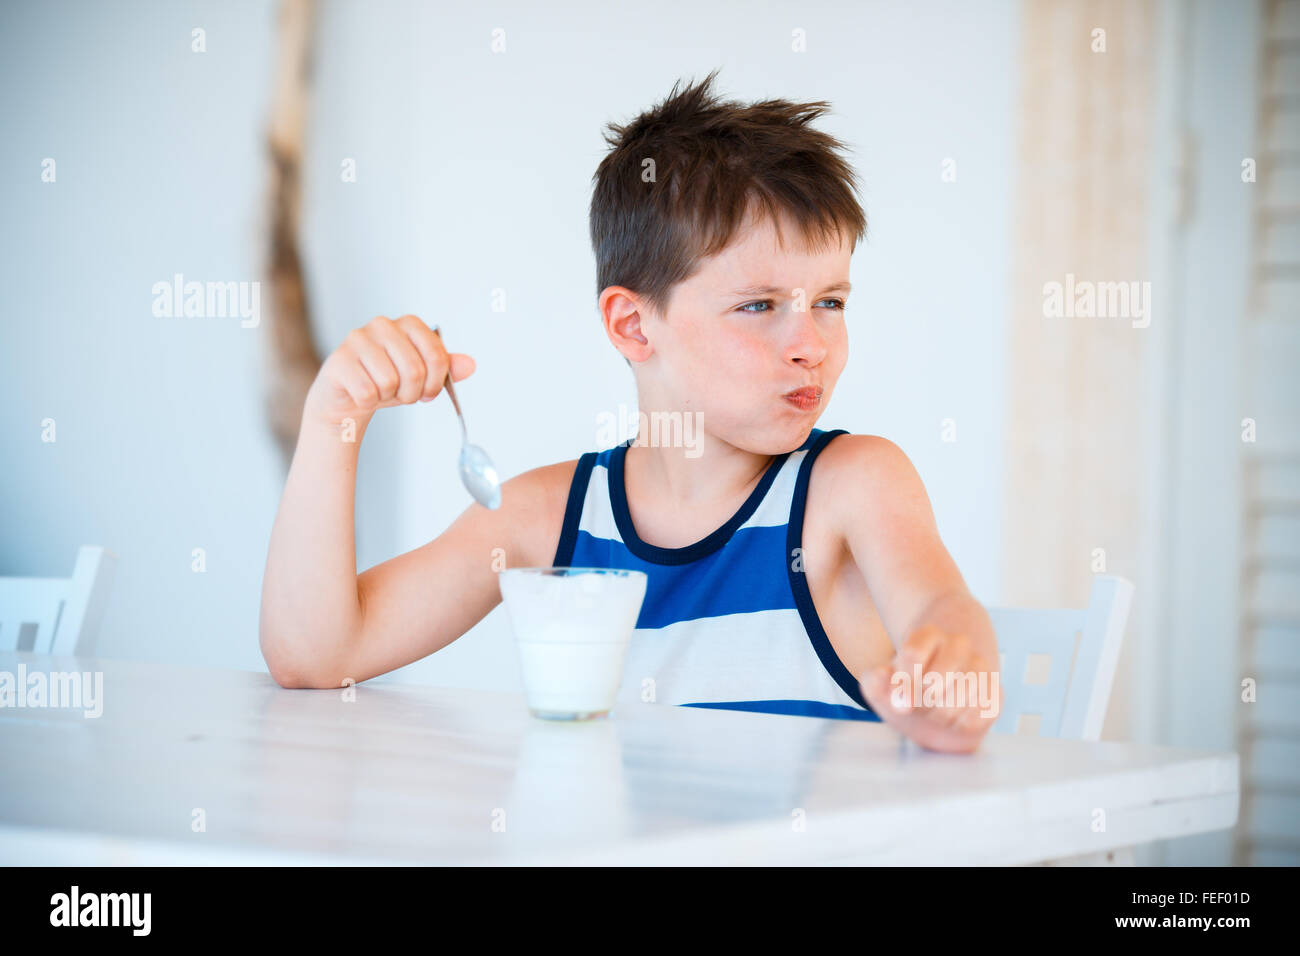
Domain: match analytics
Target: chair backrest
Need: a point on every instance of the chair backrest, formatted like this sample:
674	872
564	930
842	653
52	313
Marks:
1078	648
57	615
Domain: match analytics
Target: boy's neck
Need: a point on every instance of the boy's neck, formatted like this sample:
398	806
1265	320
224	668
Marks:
720	473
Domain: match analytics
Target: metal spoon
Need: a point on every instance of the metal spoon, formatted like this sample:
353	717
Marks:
477	473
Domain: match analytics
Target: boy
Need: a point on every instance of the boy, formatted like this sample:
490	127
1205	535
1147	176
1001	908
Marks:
722	235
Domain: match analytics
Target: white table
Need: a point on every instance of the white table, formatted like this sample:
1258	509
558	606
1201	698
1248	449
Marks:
414	774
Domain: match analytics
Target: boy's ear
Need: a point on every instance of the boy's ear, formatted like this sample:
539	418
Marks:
621	312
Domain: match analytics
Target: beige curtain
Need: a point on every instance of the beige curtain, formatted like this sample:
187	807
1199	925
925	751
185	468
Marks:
1074	445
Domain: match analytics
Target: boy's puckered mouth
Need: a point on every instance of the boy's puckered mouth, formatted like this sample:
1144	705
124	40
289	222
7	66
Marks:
806	399
808	392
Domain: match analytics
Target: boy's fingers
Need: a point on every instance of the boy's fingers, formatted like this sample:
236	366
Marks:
944	716
359	387
461	364
919	647
406	359
377	363
876	682
878	691
950	661
935	728
429	345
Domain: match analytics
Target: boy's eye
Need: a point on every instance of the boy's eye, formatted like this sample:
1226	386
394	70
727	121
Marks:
837	307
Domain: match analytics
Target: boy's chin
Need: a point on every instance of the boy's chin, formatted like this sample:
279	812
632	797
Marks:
775	437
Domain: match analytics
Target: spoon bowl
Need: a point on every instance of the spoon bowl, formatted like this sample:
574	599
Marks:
479	476
477	473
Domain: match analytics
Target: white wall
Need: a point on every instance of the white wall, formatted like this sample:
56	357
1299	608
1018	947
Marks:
160	446
474	173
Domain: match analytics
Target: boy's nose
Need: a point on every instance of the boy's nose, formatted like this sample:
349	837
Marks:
807	343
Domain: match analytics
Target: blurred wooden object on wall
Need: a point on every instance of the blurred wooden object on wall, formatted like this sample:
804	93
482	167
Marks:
294	359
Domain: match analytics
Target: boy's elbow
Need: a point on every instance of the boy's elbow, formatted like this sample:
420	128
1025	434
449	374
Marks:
288	679
283	668
294	661
282	672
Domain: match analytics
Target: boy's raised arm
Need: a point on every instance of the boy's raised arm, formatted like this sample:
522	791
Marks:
312	613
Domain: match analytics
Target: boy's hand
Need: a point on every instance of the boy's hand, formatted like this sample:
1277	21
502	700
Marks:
898	699
384	363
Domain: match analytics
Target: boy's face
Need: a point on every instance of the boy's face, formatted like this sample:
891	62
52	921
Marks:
739	335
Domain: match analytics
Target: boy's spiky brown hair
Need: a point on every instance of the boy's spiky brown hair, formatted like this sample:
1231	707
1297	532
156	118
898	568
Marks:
713	160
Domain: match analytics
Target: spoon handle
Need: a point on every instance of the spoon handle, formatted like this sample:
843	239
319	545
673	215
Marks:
464	435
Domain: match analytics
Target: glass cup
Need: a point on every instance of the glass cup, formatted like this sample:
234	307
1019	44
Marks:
572	627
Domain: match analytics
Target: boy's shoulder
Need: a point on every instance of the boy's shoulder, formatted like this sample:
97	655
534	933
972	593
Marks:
856	473
849	452
537	498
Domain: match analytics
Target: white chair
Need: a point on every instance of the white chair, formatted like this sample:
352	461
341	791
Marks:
1080	648
57	615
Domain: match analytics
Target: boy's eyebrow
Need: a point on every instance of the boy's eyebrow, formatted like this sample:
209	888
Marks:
844	286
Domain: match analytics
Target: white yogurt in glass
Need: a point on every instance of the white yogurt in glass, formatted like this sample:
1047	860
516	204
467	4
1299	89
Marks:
572	627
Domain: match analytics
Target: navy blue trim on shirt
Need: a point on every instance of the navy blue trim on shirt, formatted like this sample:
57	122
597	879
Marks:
799	580
573	510
798	708
692	552
812	438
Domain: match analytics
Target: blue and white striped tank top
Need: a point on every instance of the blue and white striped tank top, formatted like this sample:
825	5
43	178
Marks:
727	621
